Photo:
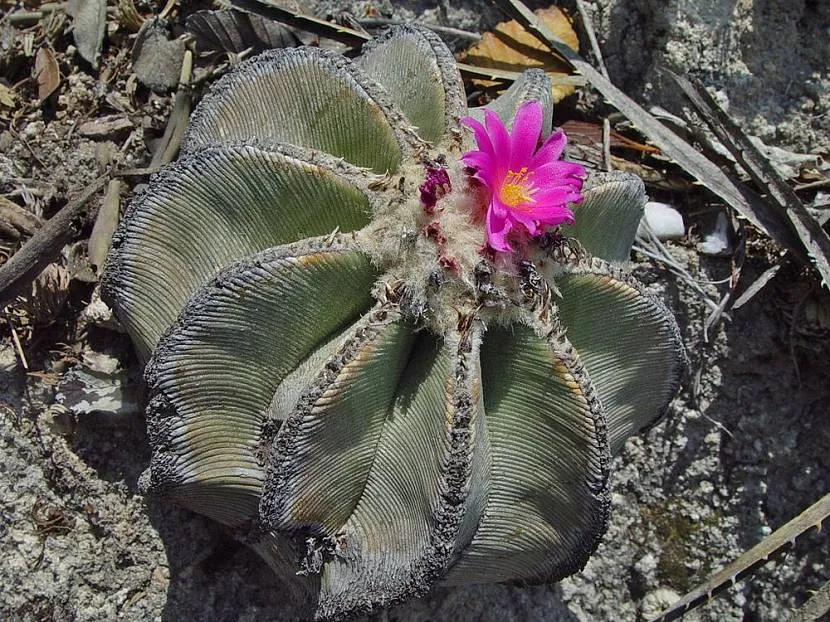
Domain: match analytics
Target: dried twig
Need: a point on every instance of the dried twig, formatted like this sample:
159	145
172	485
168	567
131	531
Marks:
606	144
42	248
756	286
17	346
444	31
756	557
592	37
652	247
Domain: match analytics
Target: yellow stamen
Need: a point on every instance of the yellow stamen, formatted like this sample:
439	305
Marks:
517	188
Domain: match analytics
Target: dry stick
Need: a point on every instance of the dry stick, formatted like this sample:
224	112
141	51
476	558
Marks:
606	144
754	558
176	124
439	30
22	17
42	248
756	286
487	73
745	202
813	237
17	345
592	37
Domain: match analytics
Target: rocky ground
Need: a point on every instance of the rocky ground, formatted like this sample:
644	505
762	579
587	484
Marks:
743	448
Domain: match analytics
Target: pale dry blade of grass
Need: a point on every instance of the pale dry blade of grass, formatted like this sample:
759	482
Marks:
754	558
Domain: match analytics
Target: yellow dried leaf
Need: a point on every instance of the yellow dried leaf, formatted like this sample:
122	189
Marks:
7	96
510	47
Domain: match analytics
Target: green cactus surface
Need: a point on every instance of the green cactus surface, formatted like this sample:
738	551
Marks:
345	379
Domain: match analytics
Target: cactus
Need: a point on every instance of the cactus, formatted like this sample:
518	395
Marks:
341	374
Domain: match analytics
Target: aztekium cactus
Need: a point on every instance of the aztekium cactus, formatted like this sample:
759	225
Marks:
371	354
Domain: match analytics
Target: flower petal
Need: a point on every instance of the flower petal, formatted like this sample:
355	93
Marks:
554	215
555	195
484	165
500	140
480	134
499	225
526	218
550	151
527	125
559	173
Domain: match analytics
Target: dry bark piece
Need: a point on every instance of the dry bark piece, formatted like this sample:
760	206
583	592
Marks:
17	218
89	22
510	47
105	127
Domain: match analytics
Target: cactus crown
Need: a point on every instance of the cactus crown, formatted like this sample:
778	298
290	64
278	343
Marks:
340	374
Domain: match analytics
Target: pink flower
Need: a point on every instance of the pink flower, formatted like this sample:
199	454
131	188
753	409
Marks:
528	186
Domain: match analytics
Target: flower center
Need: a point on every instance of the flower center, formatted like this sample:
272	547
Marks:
517	189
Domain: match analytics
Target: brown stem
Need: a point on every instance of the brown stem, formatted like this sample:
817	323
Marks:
22	268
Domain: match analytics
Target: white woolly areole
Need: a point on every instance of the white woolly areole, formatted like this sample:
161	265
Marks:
434	255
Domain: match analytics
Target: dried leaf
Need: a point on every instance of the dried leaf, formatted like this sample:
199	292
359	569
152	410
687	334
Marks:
47	73
105	225
46	296
510	47
89	22
7	96
235	31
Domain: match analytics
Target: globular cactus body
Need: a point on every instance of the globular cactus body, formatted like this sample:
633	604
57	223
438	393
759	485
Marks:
341	374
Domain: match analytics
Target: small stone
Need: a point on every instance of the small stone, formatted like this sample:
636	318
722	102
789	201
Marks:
664	221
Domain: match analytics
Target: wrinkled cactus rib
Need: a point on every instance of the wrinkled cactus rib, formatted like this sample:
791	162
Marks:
340	376
645	340
209	209
353	116
243	318
407	60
